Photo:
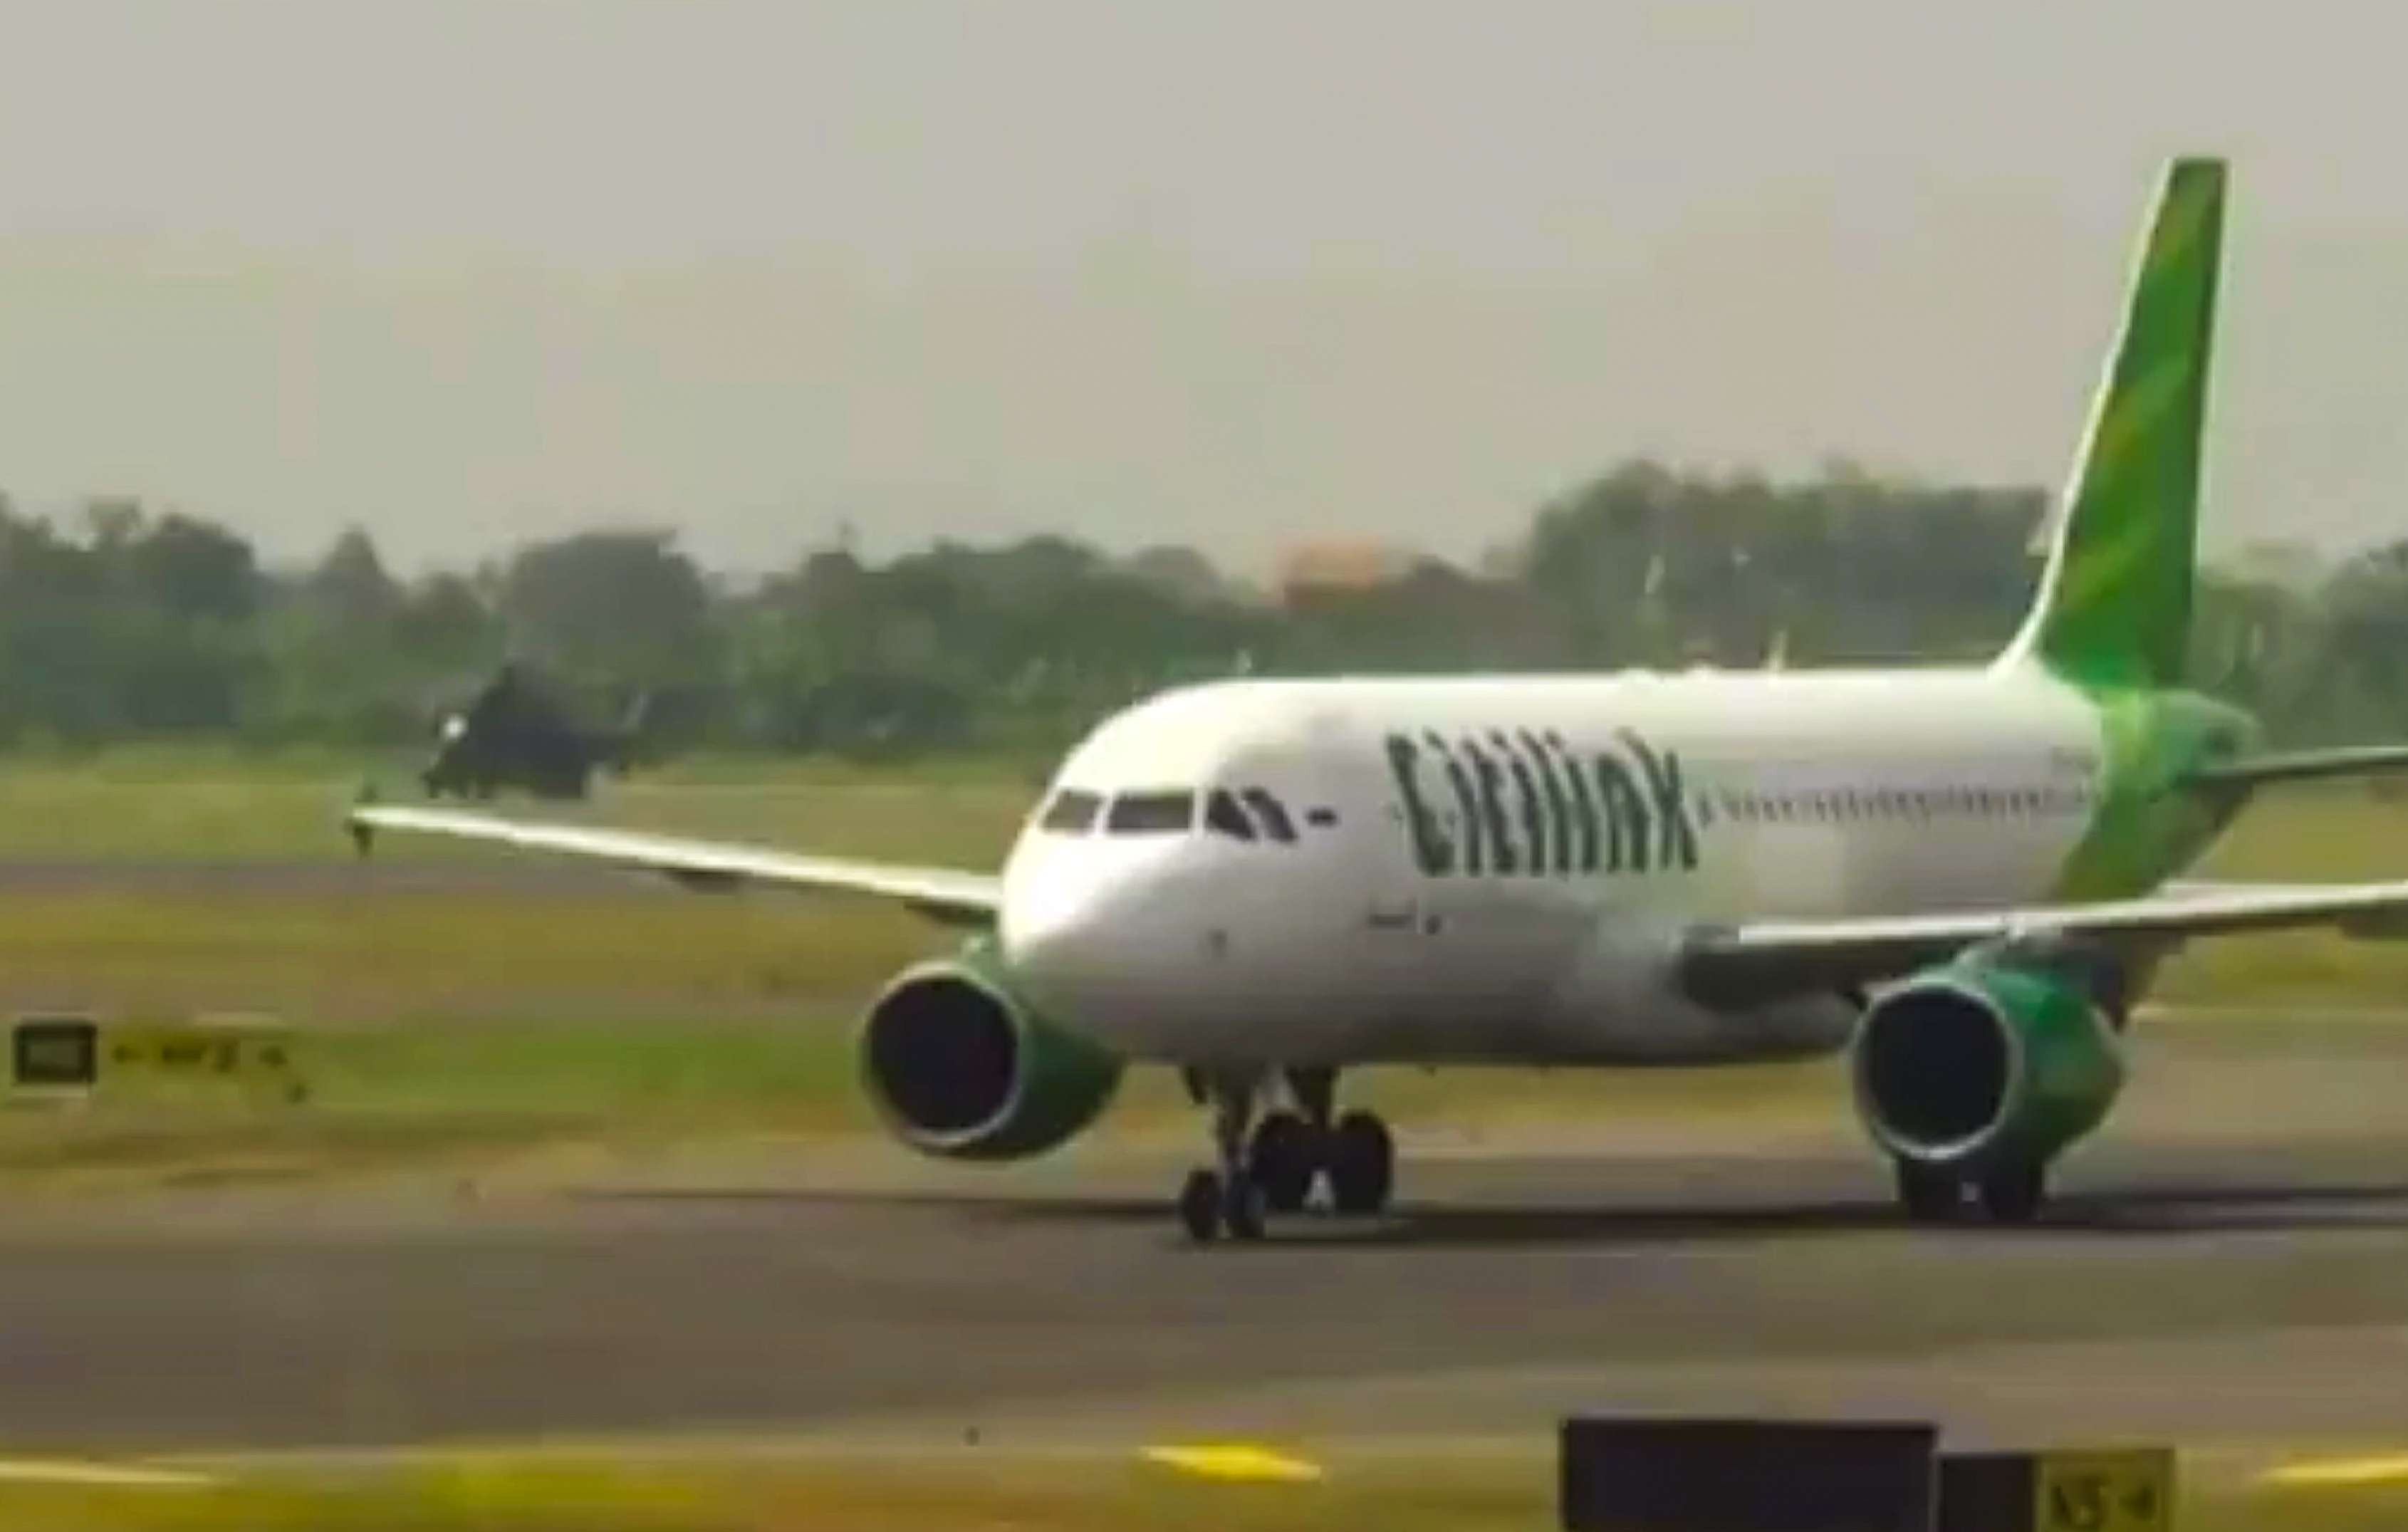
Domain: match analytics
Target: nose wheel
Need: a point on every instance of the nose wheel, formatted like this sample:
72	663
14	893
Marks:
1283	1158
1211	1206
1226	1199
1272	1165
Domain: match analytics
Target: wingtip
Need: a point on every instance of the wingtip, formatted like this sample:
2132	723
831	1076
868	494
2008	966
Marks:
362	831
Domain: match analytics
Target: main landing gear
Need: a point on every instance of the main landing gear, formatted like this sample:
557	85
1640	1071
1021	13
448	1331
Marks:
2009	1193
1271	1166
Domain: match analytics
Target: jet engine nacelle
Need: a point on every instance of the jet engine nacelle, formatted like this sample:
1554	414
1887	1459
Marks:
1987	1062
961	1068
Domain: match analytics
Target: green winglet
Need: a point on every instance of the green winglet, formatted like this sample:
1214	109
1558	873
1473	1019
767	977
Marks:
2113	607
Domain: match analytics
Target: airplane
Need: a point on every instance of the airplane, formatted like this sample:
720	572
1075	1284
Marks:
1962	877
514	732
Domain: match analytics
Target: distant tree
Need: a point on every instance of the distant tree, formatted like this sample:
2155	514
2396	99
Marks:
352	580
117	622
1181	572
187	569
622	606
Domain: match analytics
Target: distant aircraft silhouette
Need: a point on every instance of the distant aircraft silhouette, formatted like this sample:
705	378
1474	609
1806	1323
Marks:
515	733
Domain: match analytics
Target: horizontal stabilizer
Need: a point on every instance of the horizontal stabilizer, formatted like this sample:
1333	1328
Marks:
2302	767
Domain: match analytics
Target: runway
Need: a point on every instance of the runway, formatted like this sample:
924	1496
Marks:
2231	1286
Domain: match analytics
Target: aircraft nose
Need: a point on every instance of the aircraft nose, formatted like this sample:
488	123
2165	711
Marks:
1092	943
1057	944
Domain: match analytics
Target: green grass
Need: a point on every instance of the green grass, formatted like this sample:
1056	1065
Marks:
447	1093
345	954
512	1008
2333	835
196	805
362	948
592	1496
1426	1491
470	1094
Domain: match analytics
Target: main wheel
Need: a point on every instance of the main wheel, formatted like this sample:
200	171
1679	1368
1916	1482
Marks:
1282	1160
2017	1193
1199	1206
1928	1193
1362	1164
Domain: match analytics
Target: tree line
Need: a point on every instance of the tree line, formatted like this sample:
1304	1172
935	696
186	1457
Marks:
121	622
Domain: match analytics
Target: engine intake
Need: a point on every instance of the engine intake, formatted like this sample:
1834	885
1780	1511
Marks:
1978	1064
960	1069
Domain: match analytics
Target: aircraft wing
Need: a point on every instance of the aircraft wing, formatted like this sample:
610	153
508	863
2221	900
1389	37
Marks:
942	894
1766	959
2301	765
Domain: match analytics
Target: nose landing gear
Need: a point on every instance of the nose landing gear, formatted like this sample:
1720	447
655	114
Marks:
1225	1199
1283	1158
1272	1166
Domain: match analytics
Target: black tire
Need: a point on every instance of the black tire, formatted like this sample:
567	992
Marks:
1241	1210
2017	1193
1928	1194
1362	1164
1199	1206
1280	1159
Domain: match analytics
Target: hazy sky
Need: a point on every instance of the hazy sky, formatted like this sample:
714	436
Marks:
476	271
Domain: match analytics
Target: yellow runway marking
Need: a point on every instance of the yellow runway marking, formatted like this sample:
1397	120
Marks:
2342	1471
1235	1460
34	1470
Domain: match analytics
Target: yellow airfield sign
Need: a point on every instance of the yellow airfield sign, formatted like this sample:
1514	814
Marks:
2130	1490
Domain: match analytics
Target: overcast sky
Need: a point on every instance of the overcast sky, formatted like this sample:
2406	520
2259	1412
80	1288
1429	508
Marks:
472	271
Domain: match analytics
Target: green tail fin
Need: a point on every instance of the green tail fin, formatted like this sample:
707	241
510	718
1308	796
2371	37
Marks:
2113	607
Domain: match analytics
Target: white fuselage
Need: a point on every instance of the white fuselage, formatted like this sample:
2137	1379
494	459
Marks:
1503	868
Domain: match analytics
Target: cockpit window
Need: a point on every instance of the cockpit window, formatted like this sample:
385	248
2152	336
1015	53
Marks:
1222	816
1072	811
1151	813
1271	814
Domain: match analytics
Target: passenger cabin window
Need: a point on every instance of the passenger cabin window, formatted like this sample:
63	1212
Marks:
1071	812
1222	816
1151	813
1270	814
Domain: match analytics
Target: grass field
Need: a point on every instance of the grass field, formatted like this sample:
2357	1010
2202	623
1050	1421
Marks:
459	1008
1425	1490
459	999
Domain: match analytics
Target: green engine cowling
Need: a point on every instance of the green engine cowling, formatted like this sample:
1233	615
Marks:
960	1068
1983	1063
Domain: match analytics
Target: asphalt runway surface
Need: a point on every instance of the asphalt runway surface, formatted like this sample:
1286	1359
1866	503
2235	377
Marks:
2229	1286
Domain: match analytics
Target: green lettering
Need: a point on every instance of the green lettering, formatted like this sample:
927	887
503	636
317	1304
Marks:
1432	853
1534	811
1475	844
1583	806
1626	815
1679	847
1490	783
1560	814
